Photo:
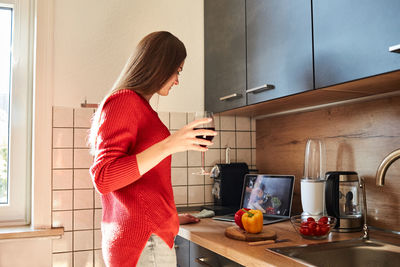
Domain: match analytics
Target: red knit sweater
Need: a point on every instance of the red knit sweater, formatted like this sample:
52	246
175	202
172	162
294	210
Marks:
134	205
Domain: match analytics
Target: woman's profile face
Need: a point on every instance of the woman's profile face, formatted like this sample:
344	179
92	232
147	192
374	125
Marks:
173	80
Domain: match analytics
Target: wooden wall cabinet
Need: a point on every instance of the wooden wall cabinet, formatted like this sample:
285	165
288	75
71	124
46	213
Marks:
352	39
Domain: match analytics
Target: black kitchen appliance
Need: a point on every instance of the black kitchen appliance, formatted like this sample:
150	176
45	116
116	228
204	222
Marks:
227	188
343	199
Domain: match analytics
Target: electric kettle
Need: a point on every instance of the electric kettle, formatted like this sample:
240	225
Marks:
343	198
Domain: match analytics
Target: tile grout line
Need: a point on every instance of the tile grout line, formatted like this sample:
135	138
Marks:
73	188
52	160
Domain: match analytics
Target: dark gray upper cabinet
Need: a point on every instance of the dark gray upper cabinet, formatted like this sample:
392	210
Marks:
352	39
279	48
225	54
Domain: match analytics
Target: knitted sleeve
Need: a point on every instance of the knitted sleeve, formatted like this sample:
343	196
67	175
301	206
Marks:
113	167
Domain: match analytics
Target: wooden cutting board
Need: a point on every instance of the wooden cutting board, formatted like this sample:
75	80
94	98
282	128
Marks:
235	232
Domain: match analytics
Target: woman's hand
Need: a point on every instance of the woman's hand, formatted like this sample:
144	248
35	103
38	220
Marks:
185	139
187	218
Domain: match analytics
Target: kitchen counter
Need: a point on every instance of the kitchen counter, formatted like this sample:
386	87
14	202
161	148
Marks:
209	234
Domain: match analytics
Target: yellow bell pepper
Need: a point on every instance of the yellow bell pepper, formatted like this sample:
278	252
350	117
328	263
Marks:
252	221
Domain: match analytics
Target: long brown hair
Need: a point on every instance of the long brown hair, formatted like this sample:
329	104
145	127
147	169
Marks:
157	56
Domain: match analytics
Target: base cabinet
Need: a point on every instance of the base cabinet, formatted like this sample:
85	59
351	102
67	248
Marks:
189	254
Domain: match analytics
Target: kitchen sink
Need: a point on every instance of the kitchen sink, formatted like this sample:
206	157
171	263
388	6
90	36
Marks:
352	253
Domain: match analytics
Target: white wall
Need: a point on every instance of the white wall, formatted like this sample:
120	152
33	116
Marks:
94	38
26	252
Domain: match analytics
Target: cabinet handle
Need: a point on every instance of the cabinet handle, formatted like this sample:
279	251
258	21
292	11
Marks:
395	48
261	88
202	261
227	97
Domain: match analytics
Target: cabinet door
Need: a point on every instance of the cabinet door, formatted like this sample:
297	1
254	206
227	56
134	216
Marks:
225	54
182	251
352	39
279	48
200	257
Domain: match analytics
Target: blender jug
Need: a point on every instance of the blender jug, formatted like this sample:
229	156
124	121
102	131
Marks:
312	185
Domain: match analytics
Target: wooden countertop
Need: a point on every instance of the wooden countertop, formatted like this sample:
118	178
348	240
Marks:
209	234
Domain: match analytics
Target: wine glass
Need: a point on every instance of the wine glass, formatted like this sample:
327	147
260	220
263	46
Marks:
209	126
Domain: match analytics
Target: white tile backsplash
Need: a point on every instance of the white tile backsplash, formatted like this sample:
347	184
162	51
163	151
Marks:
196	194
62	200
97	218
244	155
228	139
62	179
63	244
83	117
77	205
243	139
243	124
164	117
212	157
83	259
81	138
83	219
195	179
82	179
63	117
62	158
179	176
82	158
97	200
194	158
62	260
180	194
83	199
227	123
63	137
62	219
179	159
177	120
98	259
97	239
208	195
83	240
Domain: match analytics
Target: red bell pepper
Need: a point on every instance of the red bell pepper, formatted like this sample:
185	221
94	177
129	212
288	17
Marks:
238	217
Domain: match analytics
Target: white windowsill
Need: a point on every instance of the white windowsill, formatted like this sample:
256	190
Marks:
29	232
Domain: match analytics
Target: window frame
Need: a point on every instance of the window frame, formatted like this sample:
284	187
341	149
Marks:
17	211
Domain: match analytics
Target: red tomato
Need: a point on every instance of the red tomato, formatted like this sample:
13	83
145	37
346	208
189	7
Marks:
317	231
305	231
310	219
312	225
325	229
323	220
304	224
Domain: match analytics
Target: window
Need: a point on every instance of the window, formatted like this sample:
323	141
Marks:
15	110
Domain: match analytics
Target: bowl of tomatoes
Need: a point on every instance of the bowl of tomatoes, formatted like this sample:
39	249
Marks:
313	227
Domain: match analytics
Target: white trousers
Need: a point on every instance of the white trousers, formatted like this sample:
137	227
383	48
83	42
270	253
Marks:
157	254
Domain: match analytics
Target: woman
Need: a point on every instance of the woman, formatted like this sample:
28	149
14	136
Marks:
132	149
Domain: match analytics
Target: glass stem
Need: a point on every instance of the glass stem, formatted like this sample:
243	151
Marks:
202	161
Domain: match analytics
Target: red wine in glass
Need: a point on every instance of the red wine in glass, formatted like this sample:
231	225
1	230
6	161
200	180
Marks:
207	126
206	137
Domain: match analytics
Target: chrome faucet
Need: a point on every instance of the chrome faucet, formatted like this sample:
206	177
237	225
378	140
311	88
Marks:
384	166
